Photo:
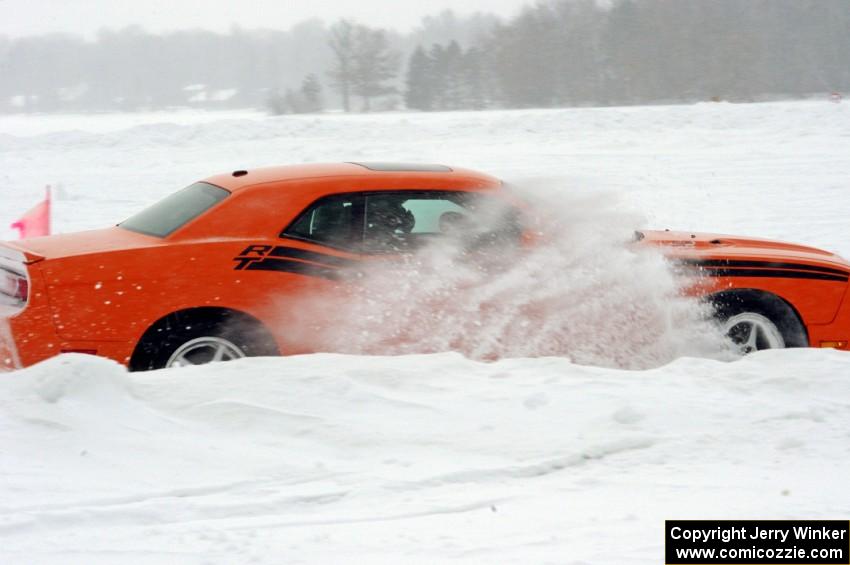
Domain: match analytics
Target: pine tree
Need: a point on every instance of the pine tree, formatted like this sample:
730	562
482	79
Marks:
276	103
474	79
437	76
419	93
292	102
311	93
453	95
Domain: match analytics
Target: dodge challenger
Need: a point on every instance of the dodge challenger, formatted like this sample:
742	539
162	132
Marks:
196	277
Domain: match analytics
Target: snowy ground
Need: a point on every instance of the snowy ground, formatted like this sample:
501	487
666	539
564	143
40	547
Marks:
422	458
343	459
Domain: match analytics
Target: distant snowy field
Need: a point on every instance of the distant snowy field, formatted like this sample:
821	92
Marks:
775	170
331	458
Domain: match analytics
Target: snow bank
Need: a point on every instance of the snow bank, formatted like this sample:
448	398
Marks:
422	458
73	378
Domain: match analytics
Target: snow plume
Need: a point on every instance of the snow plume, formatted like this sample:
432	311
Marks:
584	291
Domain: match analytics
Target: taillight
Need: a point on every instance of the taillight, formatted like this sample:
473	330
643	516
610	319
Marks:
23	289
14	285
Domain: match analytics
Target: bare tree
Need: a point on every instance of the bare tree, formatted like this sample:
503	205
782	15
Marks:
342	43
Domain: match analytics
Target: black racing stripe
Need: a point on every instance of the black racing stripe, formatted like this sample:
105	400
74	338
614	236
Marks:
296	267
761	264
773	273
313	256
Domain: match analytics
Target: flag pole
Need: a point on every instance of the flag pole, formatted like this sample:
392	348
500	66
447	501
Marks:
48	205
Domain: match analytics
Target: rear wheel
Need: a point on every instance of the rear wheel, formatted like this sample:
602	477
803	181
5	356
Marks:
202	350
201	336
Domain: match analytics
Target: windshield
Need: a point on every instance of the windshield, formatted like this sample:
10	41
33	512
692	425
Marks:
173	212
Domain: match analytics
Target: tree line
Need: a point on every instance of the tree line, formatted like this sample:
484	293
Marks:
553	53
579	52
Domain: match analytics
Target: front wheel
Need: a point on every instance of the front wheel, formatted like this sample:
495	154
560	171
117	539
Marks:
750	332
755	320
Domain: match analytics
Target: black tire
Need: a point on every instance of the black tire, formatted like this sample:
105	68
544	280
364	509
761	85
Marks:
764	313
201	336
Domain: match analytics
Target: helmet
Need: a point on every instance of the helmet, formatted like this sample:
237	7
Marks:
388	216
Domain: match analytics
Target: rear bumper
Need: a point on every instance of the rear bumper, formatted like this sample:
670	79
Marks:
29	335
26	339
9	359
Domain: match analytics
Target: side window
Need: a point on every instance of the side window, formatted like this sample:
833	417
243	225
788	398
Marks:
336	221
398	222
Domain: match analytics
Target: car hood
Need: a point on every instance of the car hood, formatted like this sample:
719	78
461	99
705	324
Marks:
687	244
83	243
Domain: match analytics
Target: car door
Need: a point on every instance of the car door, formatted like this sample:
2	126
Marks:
359	241
304	273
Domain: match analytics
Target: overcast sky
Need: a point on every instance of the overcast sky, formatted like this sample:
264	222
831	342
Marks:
85	17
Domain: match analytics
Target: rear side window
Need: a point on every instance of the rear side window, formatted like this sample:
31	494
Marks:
175	211
336	221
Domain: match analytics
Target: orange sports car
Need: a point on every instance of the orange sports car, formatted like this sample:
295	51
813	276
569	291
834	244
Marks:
235	243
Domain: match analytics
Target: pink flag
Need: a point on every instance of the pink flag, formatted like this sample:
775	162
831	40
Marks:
36	222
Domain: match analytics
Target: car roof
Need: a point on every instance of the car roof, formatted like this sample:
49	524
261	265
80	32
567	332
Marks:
240	179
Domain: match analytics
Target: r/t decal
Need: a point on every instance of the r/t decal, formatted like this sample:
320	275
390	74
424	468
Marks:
293	260
250	254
